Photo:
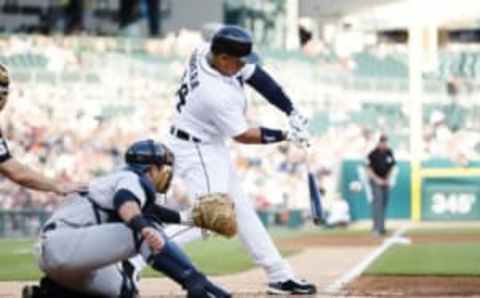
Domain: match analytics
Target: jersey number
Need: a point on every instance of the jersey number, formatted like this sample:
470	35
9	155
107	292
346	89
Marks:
182	96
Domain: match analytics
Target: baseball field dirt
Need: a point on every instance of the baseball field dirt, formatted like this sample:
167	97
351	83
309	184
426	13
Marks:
323	259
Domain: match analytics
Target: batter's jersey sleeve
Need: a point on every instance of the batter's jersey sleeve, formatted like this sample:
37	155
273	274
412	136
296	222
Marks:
247	71
4	152
130	182
228	115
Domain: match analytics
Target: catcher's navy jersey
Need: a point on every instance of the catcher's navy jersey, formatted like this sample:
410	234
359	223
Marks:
209	105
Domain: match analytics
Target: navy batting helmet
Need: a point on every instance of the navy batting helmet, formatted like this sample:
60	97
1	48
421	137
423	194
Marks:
143	154
233	41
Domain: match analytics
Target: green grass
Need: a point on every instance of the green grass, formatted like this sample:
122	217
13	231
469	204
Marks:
312	231
18	262
218	256
429	259
215	256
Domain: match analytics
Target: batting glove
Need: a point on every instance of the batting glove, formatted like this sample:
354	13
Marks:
298	137
298	129
297	121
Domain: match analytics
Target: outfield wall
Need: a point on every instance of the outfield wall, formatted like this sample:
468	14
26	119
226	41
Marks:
446	192
356	190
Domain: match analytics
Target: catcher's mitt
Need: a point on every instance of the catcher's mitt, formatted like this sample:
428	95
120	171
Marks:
215	212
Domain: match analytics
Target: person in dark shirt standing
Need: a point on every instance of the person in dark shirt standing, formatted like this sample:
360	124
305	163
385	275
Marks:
380	163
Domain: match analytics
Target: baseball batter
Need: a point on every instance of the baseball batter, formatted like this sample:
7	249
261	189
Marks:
86	244
210	108
16	171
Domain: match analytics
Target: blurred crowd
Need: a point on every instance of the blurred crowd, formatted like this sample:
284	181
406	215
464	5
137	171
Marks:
79	130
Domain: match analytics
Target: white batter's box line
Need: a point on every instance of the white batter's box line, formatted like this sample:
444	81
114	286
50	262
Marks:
242	294
396	238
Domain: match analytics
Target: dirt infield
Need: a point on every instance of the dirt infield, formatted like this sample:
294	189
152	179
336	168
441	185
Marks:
414	286
324	258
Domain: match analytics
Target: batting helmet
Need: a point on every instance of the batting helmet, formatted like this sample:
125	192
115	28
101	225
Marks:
143	154
233	41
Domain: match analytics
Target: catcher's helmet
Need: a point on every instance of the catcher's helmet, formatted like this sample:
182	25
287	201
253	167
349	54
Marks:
233	41
143	154
4	78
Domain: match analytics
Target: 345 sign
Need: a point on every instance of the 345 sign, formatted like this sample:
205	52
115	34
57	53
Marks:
441	201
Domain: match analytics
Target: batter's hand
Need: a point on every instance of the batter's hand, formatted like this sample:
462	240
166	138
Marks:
298	137
298	129
66	188
153	238
297	121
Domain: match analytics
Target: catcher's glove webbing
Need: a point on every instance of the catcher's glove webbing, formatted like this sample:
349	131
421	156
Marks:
215	212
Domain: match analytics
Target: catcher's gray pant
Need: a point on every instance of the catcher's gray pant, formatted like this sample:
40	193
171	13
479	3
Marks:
88	259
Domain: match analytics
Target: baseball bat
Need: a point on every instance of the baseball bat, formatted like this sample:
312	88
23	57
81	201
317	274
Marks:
315	197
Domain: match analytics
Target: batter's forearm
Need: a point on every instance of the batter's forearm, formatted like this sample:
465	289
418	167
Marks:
261	135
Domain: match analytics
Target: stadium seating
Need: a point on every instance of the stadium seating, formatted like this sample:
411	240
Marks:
131	84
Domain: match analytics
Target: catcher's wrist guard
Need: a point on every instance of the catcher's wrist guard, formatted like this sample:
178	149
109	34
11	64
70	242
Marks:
138	223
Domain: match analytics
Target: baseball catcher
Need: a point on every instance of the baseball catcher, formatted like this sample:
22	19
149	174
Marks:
87	243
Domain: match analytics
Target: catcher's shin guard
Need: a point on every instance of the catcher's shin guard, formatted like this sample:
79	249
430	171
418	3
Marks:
176	265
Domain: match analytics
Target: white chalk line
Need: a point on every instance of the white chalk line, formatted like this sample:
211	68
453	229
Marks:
396	238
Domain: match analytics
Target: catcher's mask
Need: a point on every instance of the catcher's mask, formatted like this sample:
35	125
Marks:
4	84
142	155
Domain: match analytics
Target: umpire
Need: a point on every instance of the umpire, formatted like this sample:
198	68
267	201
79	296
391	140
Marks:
380	163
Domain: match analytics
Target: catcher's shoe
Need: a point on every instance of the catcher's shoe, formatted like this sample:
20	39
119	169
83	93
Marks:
291	287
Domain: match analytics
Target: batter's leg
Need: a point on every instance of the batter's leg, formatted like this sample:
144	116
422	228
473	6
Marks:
255	237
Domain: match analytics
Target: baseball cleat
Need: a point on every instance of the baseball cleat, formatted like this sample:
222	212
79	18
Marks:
291	287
